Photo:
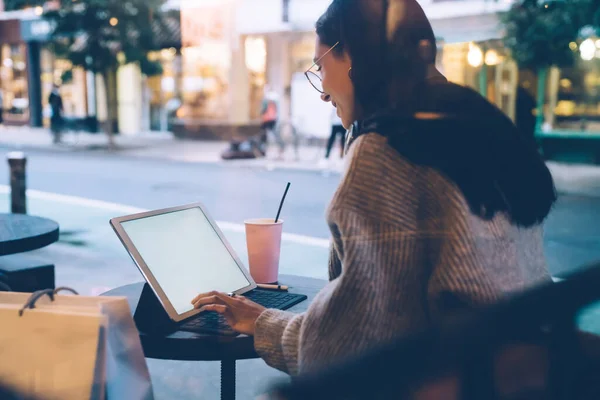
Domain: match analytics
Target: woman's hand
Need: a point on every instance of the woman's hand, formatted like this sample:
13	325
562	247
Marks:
241	314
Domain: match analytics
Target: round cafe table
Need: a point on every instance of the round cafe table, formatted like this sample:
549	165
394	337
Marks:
21	232
189	346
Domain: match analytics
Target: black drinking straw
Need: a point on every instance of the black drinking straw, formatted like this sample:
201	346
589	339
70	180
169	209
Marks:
282	200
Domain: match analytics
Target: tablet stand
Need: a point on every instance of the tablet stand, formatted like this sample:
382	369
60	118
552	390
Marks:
150	316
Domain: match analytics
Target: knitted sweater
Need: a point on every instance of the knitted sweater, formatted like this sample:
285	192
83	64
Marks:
406	251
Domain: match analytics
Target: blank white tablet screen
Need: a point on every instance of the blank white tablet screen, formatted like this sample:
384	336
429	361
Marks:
185	255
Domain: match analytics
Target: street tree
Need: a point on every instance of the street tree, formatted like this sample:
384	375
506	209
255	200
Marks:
101	35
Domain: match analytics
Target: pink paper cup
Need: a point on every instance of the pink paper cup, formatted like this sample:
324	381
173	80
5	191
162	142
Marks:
263	238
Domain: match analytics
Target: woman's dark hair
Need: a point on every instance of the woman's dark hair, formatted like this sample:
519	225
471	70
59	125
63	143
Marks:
392	47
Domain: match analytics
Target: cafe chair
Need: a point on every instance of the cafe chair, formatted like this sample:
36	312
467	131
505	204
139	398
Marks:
528	347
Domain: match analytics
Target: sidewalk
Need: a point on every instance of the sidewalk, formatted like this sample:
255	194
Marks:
569	178
162	145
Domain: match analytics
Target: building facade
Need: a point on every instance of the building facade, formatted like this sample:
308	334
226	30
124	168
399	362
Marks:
229	52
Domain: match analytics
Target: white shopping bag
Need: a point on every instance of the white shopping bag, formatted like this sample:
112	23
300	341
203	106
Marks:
53	354
127	375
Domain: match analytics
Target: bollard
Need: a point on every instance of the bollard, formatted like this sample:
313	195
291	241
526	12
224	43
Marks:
17	162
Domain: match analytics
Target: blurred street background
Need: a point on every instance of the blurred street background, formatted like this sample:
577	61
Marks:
146	123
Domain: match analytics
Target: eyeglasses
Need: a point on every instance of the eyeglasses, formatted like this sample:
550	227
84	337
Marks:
315	79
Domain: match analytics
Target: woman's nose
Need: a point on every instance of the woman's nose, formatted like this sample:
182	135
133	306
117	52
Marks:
325	97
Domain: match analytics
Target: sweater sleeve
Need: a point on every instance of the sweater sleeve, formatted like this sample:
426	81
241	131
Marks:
343	319
276	339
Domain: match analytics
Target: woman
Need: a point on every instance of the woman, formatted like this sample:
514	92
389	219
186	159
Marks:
440	207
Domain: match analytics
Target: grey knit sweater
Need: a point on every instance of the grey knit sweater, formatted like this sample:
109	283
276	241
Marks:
406	250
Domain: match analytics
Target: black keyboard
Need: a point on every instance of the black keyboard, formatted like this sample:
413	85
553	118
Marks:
215	323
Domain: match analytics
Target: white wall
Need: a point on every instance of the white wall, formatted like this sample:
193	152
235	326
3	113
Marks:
259	16
304	13
310	115
129	92
239	92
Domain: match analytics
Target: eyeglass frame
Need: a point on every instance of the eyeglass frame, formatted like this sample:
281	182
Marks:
313	65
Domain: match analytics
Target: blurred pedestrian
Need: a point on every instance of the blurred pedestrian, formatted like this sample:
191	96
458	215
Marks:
269	118
56	119
337	129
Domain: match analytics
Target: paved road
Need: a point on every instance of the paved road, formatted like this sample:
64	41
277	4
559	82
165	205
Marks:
233	194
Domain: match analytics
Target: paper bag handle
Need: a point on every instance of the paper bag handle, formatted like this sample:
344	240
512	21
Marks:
30	303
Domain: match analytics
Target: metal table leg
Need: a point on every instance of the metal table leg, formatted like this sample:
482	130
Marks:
228	379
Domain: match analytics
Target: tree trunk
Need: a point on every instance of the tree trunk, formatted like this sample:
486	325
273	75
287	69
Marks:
108	89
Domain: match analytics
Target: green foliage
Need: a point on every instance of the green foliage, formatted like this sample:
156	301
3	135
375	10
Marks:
102	34
538	33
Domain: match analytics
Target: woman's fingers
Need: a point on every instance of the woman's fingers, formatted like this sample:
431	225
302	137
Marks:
221	309
213	298
202	295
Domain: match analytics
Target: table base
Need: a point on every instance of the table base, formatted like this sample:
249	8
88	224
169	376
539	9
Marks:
228	379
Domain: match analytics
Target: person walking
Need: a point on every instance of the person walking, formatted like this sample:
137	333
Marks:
56	119
269	118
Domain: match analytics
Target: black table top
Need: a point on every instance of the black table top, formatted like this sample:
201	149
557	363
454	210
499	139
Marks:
22	232
189	346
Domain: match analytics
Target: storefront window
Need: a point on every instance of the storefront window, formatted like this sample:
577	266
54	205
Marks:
61	72
454	62
578	105
206	81
164	89
13	81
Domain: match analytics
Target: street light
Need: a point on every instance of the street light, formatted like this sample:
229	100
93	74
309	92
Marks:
587	50
113	21
492	58
475	56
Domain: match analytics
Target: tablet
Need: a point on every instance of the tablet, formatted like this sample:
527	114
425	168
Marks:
181	252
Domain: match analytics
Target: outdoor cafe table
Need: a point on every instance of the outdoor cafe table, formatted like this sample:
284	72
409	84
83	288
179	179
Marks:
21	232
188	346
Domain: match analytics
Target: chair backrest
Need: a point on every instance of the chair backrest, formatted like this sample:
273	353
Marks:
526	347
